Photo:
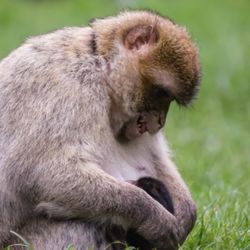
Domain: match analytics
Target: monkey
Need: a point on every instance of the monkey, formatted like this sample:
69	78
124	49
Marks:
69	101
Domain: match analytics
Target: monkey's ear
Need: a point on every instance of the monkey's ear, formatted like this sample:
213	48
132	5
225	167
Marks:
140	36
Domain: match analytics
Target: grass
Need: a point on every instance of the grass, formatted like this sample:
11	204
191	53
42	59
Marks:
211	140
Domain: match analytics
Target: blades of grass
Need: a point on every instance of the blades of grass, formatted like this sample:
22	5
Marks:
26	243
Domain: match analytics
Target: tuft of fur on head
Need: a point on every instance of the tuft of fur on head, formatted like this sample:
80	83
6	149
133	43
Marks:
111	31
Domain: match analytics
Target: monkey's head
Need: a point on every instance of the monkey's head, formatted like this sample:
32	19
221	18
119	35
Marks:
160	61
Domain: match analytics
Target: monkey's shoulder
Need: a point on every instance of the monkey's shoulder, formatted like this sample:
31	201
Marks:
72	40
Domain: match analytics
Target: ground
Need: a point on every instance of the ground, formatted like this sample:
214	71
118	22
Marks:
211	139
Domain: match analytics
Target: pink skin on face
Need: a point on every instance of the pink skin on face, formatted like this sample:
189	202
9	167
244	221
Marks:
150	122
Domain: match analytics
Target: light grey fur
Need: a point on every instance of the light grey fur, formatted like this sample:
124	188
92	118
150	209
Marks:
58	148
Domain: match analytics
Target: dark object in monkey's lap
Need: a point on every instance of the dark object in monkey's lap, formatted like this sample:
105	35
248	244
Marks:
157	190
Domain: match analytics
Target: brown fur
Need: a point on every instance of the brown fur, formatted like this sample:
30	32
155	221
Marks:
64	99
173	51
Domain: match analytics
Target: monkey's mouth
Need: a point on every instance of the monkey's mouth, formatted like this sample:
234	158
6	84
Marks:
151	122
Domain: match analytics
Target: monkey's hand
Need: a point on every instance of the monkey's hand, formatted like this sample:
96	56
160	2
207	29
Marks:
157	190
165	236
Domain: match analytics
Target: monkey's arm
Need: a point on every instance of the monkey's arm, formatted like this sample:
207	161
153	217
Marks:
184	206
85	191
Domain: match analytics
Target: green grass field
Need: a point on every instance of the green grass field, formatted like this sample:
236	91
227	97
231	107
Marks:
210	140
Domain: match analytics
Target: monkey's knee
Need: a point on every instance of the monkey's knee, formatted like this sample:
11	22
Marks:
187	219
192	213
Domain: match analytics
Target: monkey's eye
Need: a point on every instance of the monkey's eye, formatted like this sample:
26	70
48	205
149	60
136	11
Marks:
163	93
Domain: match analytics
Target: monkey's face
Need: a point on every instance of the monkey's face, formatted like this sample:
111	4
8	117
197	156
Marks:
168	67
159	64
171	67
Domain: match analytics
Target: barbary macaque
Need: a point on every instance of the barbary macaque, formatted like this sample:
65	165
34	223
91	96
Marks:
82	111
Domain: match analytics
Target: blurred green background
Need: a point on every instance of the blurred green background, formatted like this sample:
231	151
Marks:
210	140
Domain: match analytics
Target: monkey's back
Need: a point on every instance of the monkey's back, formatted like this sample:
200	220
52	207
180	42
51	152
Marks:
45	87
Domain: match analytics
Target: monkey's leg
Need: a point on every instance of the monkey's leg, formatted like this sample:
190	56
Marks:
184	206
44	234
84	191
